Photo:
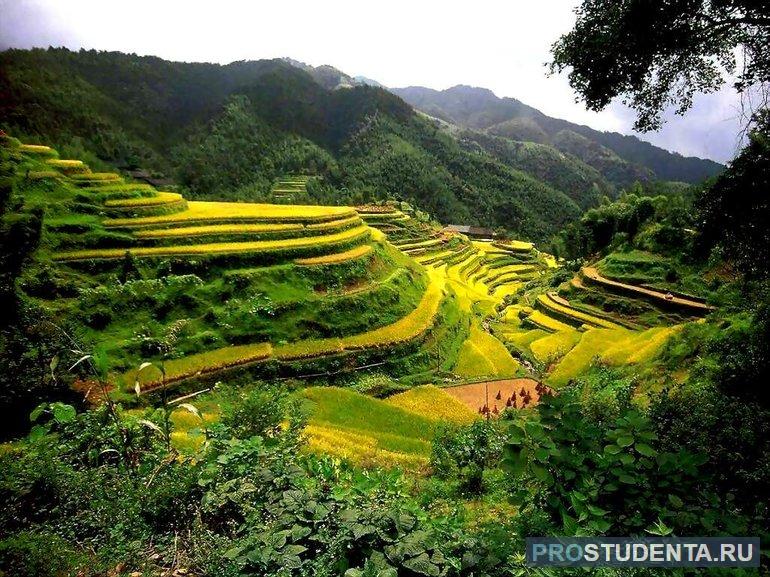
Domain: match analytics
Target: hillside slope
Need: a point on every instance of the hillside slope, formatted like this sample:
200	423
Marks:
621	159
227	132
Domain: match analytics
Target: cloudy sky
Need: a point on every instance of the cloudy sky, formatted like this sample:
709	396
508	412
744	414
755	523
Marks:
500	45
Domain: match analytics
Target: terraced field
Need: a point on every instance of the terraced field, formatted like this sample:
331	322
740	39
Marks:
397	431
197	291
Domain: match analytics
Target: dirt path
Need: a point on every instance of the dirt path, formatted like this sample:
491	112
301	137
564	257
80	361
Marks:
593	274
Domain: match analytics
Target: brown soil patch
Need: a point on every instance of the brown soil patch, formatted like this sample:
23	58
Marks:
474	395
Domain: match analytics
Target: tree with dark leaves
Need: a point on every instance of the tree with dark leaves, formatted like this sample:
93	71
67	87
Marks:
656	53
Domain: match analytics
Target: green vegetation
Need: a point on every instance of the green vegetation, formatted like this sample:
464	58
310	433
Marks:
240	384
265	131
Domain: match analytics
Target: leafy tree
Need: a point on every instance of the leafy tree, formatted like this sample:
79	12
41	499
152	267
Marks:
656	53
603	475
733	213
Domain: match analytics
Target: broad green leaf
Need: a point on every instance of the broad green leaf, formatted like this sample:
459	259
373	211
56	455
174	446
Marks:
625	441
645	450
37	411
37	432
63	413
612	449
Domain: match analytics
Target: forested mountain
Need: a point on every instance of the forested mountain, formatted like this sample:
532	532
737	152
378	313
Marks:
621	159
228	131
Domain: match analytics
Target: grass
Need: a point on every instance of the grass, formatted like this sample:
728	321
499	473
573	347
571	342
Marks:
482	355
192	365
432	403
216	229
336	258
370	431
591	346
405	329
208	212
554	346
159	198
265	246
575	315
409	327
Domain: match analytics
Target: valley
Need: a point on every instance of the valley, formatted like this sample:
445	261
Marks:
263	318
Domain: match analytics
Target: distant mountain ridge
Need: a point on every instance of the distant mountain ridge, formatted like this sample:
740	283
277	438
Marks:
620	158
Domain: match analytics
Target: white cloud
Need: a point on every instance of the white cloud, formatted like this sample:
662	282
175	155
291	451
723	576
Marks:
498	45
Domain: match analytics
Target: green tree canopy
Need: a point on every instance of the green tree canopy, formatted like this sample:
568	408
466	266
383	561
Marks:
656	53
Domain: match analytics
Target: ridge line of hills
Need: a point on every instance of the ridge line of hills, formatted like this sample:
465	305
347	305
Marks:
478	108
226	132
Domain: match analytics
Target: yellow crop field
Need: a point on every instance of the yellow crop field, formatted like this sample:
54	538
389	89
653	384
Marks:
308	349
543	321
638	347
38	149
66	164
336	258
420	244
366	430
555	345
483	355
522	338
101	176
264	246
238	211
591	346
192	365
159	199
332	224
432	403
582	317
127	186
405	329
359	448
216	229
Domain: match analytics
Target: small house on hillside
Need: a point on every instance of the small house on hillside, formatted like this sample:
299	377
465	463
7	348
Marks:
145	176
477	232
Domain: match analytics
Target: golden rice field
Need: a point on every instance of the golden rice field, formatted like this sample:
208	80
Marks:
336	258
433	403
40	149
199	364
208	212
482	355
332	224
160	198
101	176
372	432
554	346
549	304
66	165
545	322
592	344
215	230
220	248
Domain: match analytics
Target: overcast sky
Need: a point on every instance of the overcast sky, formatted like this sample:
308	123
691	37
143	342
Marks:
500	45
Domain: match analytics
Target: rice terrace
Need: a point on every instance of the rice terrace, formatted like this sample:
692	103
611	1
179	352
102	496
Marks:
268	319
